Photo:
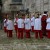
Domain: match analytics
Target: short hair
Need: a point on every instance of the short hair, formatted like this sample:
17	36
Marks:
45	12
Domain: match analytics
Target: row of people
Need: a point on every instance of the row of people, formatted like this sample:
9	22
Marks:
37	25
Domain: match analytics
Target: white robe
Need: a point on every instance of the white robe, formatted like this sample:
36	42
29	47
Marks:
10	25
27	24
20	23
37	25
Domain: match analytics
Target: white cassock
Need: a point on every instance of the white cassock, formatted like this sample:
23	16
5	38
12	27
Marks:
20	23
27	24
10	25
48	24
27	27
37	25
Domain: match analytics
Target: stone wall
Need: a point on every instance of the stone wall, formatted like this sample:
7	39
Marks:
33	5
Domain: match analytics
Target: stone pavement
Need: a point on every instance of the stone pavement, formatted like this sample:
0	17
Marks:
23	44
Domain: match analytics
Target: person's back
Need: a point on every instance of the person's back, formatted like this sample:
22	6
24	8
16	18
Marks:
37	25
20	23
27	23
10	25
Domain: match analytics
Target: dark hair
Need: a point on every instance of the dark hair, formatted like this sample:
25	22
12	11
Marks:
45	12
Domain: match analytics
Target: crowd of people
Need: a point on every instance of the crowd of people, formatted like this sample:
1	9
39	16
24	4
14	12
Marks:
23	24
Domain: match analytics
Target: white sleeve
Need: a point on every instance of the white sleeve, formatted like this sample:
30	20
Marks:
47	20
4	21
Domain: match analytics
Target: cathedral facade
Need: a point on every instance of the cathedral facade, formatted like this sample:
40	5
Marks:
32	5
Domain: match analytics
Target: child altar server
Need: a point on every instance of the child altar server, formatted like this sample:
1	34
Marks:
37	27
27	26
10	27
20	23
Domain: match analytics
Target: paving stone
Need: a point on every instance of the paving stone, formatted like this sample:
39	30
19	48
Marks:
42	47
23	44
48	47
1	48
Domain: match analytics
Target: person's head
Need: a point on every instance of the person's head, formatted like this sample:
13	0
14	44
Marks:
6	16
16	15
28	16
45	12
37	16
10	18
23	16
32	14
20	16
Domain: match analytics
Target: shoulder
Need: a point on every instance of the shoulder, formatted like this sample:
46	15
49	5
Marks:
48	18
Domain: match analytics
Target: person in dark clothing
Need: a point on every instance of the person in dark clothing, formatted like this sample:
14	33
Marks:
43	21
